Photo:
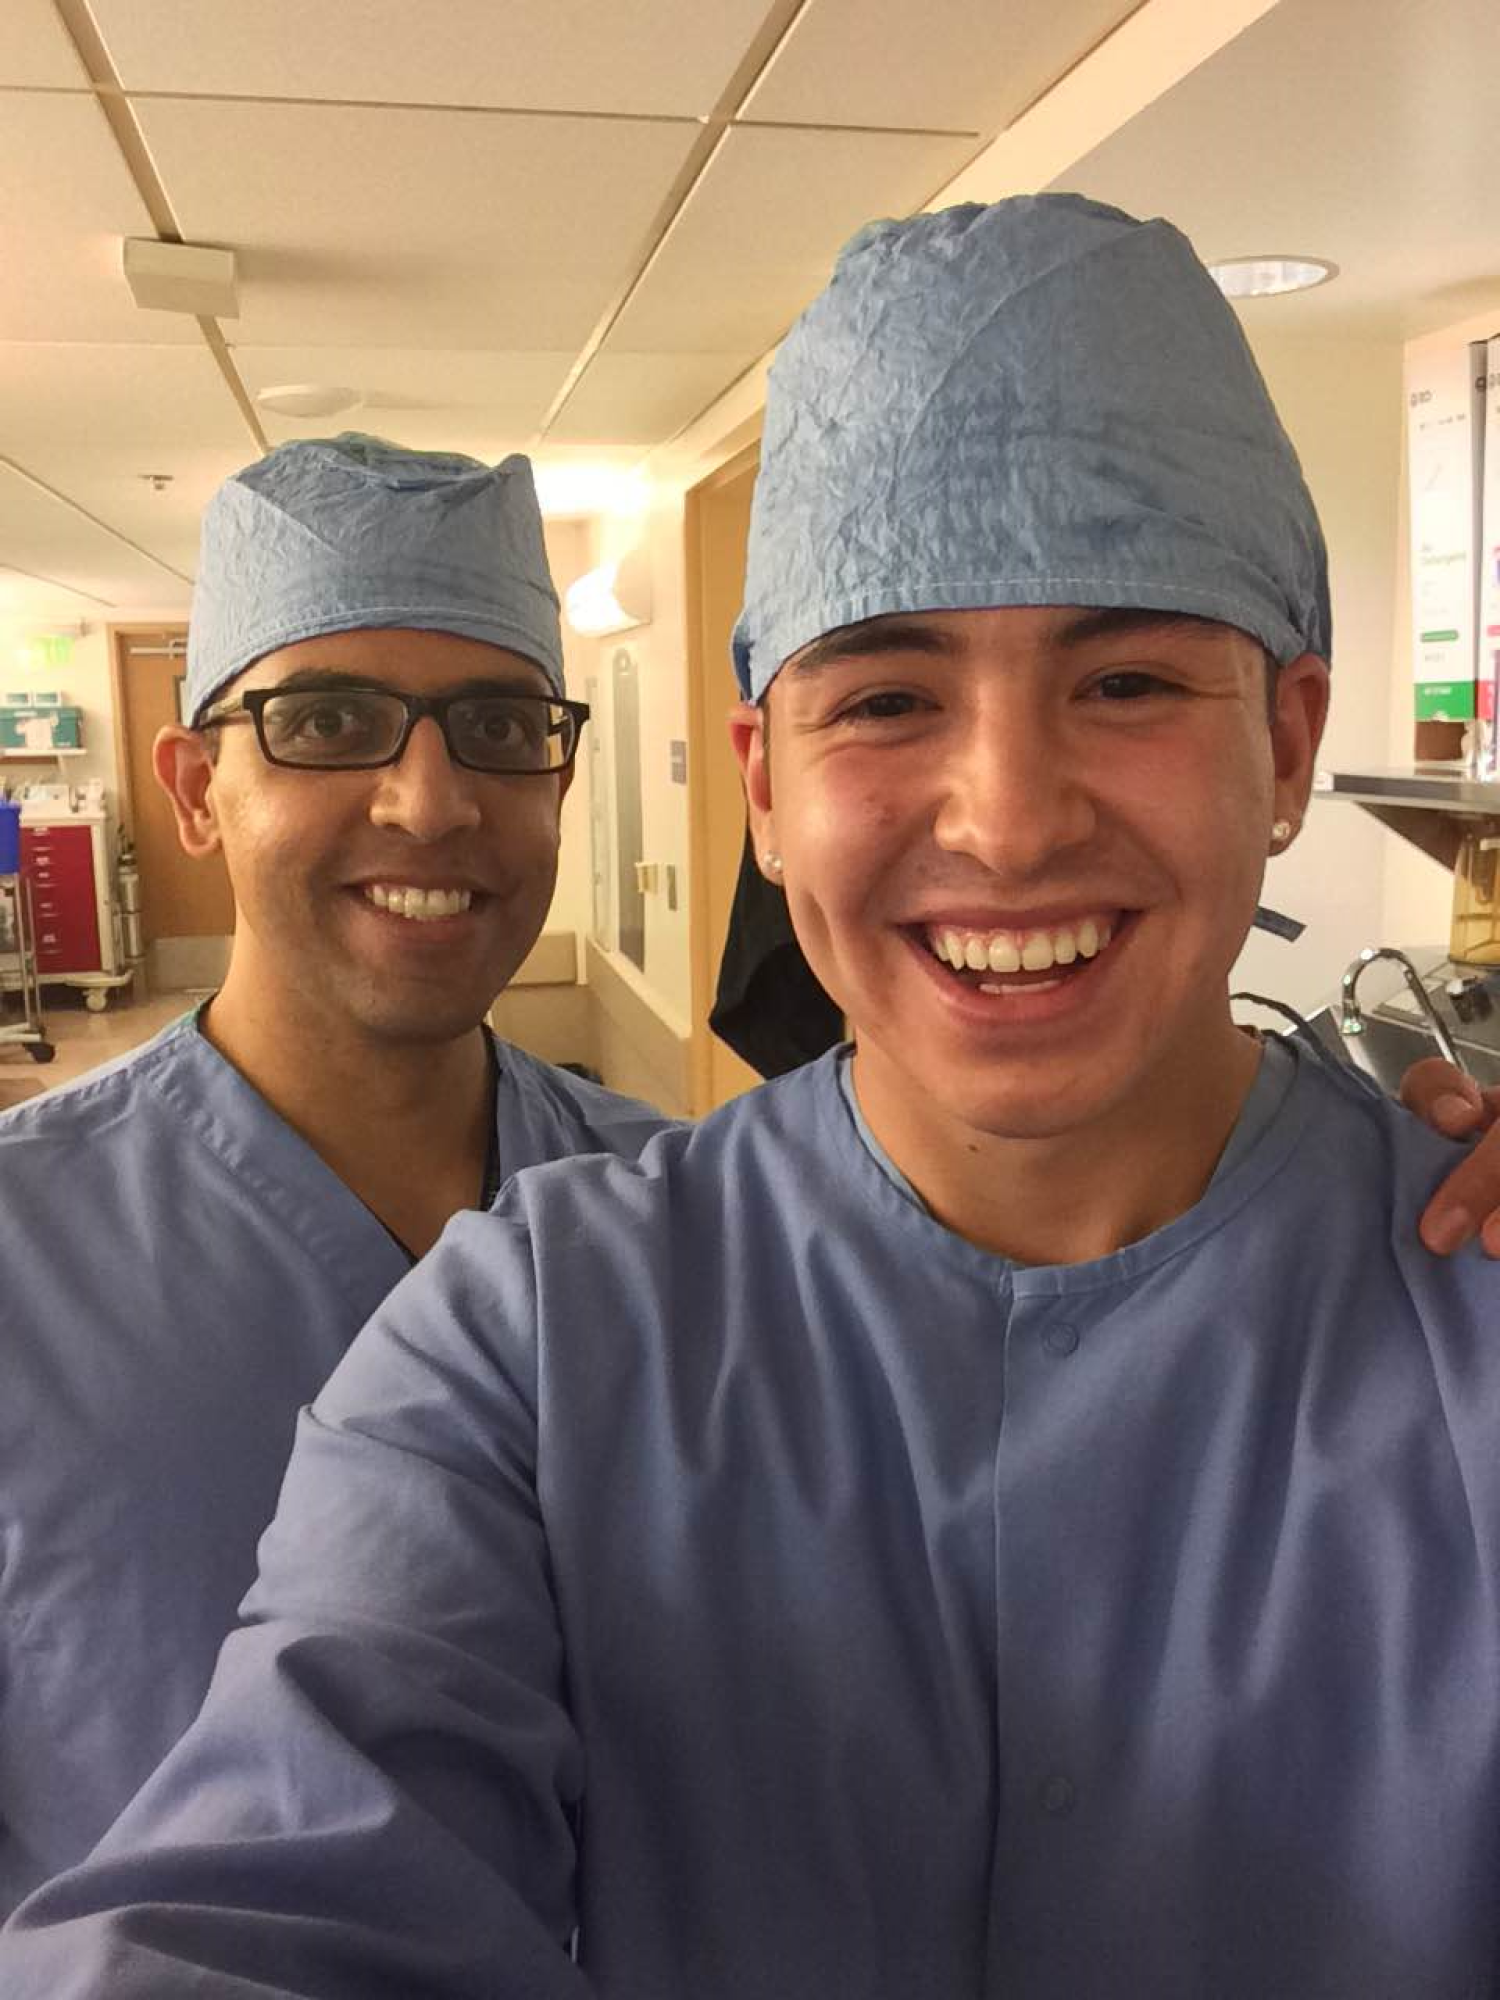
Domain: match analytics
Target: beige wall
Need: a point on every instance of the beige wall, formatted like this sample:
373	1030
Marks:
1341	404
660	650
567	552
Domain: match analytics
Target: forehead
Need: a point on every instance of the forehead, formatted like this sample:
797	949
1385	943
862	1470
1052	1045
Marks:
1007	630
419	662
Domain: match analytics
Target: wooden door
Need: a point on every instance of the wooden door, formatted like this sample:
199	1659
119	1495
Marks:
180	898
717	532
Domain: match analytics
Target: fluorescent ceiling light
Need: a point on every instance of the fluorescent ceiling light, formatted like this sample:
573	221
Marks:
1268	277
309	399
570	489
615	597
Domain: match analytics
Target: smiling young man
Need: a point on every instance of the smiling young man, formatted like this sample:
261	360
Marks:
1010	1509
192	1235
1021	845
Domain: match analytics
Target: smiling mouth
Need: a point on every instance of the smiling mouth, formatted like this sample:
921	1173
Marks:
1025	960
417	905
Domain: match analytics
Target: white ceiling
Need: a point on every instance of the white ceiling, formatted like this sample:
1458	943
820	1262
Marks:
548	225
1368	135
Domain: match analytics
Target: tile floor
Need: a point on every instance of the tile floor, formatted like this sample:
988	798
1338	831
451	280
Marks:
82	1040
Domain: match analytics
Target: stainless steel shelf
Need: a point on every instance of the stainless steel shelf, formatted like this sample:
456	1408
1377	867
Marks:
1433	786
1427	804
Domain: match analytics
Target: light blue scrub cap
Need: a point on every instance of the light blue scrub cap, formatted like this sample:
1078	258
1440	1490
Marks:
328	534
1040	402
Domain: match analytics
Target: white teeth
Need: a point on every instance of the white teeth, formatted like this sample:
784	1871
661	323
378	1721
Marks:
1019	951
422	906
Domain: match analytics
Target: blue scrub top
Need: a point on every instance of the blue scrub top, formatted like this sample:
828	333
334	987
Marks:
179	1273
719	1556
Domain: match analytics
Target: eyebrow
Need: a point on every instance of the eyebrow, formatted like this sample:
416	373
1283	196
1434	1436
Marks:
871	637
1121	622
899	634
317	680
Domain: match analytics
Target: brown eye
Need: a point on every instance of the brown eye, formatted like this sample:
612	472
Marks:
889	706
1130	684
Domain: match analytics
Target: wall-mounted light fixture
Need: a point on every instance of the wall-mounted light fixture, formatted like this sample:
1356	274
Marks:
615	597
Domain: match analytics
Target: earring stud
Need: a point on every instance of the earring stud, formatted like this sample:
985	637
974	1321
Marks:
771	863
1281	831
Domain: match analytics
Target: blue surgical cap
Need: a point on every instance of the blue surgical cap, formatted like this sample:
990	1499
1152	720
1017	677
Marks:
1040	402
329	534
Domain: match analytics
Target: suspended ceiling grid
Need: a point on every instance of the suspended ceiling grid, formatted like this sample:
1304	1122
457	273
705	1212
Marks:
510	224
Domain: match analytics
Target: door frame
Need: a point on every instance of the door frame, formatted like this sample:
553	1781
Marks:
119	633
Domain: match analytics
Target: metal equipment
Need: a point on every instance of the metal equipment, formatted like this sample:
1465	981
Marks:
30	1031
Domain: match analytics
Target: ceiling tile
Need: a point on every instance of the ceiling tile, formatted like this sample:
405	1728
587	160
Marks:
642	57
105	481
761	231
36	50
641	399
948	65
77	395
27	598
429	399
402	228
45	538
66	201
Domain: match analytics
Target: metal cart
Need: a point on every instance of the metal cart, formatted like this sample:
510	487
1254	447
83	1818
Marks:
30	1031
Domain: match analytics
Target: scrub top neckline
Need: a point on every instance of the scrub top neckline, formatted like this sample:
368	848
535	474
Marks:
1243	1170
492	1174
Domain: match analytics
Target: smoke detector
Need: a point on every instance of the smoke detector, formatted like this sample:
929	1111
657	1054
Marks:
309	399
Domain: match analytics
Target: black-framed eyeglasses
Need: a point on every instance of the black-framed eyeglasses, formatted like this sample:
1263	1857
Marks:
351	728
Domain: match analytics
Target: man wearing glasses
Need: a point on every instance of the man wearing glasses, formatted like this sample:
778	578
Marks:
192	1235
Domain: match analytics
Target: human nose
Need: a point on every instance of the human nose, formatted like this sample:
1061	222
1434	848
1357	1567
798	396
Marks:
1013	797
425	793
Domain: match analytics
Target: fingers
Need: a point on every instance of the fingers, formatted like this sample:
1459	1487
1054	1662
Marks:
1467	1203
1447	1100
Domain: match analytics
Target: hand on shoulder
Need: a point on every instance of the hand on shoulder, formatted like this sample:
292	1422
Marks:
1467	1203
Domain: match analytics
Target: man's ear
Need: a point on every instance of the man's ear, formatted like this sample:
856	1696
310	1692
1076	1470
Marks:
1301	709
747	735
184	767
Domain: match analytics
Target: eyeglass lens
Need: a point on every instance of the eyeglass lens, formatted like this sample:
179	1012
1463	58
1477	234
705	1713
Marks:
324	729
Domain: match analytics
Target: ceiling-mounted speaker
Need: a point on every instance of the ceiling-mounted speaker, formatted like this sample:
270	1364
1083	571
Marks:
181	277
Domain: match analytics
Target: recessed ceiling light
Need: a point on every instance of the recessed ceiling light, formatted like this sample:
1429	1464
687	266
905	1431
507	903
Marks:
309	399
1267	277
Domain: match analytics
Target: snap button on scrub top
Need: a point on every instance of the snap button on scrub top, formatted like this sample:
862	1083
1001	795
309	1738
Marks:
1057	1796
1060	1338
